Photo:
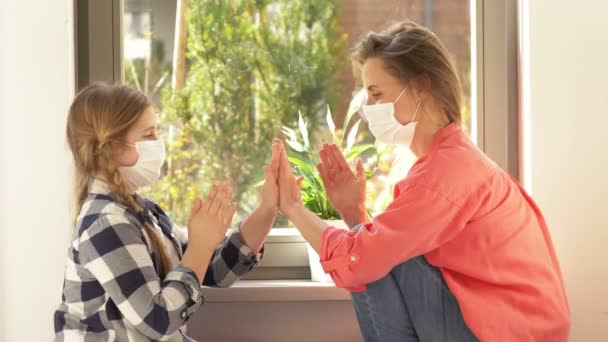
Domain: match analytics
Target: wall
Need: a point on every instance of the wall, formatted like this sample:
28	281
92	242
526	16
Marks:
36	84
321	321
565	161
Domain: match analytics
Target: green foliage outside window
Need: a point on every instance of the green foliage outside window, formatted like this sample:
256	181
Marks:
252	65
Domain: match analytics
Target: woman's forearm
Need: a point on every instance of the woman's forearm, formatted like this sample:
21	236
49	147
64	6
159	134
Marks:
354	216
256	226
310	226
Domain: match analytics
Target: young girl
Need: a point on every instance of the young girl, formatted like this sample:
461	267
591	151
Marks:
131	274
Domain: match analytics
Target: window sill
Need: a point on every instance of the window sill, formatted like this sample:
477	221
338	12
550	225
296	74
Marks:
276	291
285	235
285	248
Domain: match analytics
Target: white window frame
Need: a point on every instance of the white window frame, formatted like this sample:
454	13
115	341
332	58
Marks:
495	80
494	89
98	44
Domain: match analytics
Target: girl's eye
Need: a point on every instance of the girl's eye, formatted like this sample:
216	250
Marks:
376	96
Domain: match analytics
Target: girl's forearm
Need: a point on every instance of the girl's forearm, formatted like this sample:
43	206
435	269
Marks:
197	259
256	227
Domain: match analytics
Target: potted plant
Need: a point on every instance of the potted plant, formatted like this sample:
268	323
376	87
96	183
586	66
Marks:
304	158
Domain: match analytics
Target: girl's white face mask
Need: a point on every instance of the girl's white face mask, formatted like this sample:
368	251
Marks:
384	125
148	166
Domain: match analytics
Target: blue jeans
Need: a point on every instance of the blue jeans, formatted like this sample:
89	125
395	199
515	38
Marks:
411	303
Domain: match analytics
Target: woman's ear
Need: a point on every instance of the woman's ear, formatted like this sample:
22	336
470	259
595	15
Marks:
422	87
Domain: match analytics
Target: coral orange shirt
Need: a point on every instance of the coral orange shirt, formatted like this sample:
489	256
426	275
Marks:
476	224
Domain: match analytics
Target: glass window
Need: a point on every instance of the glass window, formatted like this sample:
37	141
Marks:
252	69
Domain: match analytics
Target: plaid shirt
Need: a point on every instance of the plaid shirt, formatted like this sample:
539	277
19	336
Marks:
112	291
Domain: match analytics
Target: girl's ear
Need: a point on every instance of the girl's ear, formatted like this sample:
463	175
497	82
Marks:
124	155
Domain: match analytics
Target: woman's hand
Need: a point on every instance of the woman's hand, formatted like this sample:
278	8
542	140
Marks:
210	218
270	190
345	188
290	197
290	203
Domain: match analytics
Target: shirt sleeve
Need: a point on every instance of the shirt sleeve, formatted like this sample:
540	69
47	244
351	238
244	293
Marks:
416	222
232	260
114	251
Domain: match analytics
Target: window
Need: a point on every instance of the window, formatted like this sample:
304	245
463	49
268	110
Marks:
250	67
257	66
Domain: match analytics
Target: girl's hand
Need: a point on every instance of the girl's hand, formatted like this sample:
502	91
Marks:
270	190
211	217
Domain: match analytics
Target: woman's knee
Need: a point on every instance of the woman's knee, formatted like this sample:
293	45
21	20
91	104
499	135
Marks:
417	269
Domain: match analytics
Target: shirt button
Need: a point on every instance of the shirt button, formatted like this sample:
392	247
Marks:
353	258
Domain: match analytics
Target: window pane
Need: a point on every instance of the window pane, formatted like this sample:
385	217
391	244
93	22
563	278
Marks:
252	69
450	21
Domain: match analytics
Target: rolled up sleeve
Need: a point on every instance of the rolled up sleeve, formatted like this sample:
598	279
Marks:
416	222
232	260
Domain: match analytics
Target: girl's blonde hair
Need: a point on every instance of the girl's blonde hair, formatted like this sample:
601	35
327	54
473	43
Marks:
100	116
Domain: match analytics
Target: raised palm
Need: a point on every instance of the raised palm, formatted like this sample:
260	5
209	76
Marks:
270	190
345	188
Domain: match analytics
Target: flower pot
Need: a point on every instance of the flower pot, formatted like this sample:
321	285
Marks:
316	270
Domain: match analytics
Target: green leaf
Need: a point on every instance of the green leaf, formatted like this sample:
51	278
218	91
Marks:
259	184
307	168
354	106
330	123
352	136
303	129
290	133
358	150
296	146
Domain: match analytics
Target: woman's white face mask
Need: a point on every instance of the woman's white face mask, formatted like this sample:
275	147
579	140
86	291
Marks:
384	125
147	168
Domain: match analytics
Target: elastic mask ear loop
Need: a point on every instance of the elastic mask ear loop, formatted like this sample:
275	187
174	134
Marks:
416	112
126	144
402	92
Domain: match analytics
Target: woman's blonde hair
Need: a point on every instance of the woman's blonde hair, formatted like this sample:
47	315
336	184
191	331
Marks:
410	51
100	116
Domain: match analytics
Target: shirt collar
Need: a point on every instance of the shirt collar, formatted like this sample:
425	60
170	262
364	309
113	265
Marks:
441	138
97	186
443	134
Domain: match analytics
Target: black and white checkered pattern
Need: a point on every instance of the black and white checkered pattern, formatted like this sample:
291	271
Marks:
112	290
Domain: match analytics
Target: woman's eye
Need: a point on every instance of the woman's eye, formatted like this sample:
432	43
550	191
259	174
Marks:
376	96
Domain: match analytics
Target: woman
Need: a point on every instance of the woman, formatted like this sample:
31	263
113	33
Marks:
131	274
462	253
